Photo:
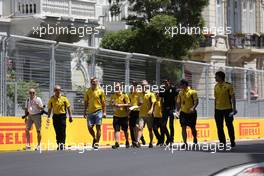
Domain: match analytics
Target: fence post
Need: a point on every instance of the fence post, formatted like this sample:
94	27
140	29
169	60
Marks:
244	95
93	58
127	71
3	99
16	98
52	70
248	90
207	90
158	61
2	77
183	70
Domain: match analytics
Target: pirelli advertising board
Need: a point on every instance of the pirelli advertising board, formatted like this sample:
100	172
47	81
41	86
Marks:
13	137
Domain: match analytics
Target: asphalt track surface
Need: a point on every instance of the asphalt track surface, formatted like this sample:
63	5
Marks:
128	162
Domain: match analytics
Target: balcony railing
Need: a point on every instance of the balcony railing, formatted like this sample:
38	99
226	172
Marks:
216	41
246	41
77	9
236	41
206	42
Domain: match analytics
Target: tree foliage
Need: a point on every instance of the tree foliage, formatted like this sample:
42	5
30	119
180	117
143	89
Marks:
148	22
22	91
124	40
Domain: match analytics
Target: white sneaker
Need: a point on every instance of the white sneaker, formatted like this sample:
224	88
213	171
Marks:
27	148
37	148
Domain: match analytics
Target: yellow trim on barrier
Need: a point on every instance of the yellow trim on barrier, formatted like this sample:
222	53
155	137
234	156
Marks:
12	132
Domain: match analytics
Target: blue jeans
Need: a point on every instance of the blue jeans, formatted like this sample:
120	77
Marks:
95	118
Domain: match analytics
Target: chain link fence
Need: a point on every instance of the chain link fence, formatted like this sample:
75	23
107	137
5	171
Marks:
41	64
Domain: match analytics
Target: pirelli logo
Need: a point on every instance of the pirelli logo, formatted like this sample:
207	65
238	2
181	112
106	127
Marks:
108	133
203	130
249	129
13	133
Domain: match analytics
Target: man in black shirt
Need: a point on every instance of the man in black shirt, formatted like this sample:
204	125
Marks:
169	97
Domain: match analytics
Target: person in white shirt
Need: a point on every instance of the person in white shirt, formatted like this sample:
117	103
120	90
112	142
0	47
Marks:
33	109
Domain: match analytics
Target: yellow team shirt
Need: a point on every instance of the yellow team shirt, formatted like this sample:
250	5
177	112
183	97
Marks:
59	104
157	110
133	97
223	93
186	99
119	99
147	98
94	99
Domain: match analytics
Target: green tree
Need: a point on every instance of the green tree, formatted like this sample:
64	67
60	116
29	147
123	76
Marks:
147	34
22	91
124	40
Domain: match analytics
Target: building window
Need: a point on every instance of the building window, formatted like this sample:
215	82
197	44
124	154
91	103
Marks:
236	17
252	16
35	8
23	8
251	4
30	8
19	7
263	20
229	13
26	8
219	14
244	4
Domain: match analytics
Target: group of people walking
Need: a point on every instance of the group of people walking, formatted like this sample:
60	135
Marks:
136	110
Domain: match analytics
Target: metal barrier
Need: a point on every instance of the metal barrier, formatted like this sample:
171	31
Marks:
29	62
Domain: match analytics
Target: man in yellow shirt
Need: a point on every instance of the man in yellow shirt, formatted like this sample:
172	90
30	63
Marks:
187	102
94	105
134	114
225	108
59	104
120	101
157	123
146	102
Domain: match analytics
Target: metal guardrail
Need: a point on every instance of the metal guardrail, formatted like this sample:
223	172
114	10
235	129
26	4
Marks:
42	63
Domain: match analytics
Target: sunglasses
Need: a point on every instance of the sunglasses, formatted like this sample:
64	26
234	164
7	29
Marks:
31	92
57	89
